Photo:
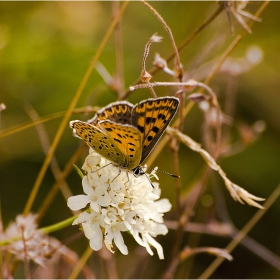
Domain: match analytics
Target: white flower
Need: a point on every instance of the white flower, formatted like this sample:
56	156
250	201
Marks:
116	202
29	243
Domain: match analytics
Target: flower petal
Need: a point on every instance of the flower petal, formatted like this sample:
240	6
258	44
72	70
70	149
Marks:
163	205
94	233
87	186
158	247
78	202
120	242
104	200
94	206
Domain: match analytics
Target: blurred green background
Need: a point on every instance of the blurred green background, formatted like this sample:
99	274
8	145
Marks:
45	49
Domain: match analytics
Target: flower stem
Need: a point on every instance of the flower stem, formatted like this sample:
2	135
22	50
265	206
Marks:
59	225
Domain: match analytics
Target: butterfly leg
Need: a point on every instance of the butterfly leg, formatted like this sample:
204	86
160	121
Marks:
101	167
127	178
117	175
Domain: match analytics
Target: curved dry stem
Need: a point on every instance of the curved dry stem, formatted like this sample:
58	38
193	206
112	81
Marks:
179	68
185	43
238	193
145	76
187	252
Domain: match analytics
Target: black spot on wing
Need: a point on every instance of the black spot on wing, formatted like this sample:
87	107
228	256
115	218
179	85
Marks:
141	128
116	139
155	129
150	120
129	143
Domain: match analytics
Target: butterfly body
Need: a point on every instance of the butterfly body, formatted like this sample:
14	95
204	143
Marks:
125	134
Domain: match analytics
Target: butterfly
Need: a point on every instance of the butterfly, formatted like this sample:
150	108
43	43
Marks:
125	133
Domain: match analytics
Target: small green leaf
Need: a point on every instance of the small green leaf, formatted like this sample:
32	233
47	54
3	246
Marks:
80	173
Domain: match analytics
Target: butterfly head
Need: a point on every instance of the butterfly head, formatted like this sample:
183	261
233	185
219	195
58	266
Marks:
138	171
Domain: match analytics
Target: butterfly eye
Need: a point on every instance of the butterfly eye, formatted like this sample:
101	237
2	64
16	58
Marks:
138	171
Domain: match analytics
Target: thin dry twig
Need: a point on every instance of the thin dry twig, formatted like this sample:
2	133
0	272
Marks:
185	43
187	252
145	76
178	65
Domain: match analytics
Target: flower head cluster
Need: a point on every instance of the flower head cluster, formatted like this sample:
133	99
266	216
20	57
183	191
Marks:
119	202
26	241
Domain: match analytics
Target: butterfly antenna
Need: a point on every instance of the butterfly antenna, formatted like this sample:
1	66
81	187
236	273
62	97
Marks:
167	173
172	175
